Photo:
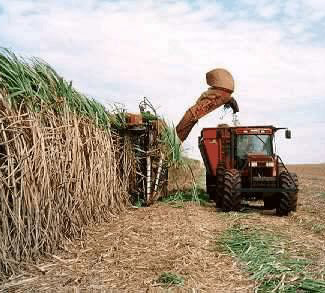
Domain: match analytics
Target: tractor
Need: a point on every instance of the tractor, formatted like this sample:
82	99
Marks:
241	164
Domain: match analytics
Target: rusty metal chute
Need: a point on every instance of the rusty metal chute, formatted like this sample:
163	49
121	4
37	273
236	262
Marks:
222	86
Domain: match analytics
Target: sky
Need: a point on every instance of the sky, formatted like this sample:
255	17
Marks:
121	51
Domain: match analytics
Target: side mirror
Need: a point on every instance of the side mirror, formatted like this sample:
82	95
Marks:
288	133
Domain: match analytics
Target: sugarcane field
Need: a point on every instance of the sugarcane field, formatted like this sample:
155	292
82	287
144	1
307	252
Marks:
162	146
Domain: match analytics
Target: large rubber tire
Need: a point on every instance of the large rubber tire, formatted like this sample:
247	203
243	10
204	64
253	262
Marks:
231	199
220	173
287	200
295	196
284	205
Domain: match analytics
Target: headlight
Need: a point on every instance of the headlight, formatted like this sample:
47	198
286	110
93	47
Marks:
253	164
269	164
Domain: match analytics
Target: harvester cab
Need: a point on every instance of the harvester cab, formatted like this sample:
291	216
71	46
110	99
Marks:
241	165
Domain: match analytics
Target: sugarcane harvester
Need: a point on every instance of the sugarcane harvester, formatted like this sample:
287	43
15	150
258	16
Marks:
150	173
240	161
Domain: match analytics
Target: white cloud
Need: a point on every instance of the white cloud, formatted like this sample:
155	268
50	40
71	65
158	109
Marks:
121	51
315	9
268	10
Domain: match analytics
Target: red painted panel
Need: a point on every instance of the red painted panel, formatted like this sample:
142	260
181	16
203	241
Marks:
209	133
211	148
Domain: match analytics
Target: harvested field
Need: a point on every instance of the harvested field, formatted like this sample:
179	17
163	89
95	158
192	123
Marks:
132	252
184	239
307	171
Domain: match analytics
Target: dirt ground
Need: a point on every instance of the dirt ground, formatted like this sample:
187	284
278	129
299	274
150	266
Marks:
134	249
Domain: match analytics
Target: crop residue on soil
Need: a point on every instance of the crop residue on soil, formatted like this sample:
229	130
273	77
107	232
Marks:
135	249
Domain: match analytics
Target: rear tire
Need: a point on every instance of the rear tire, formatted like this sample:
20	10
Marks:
295	196
284	206
231	199
288	200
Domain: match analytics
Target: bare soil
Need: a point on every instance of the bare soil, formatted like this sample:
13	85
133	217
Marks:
134	249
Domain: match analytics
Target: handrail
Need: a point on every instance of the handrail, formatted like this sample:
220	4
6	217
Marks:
279	158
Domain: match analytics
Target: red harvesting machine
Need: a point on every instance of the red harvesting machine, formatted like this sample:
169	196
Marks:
241	165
